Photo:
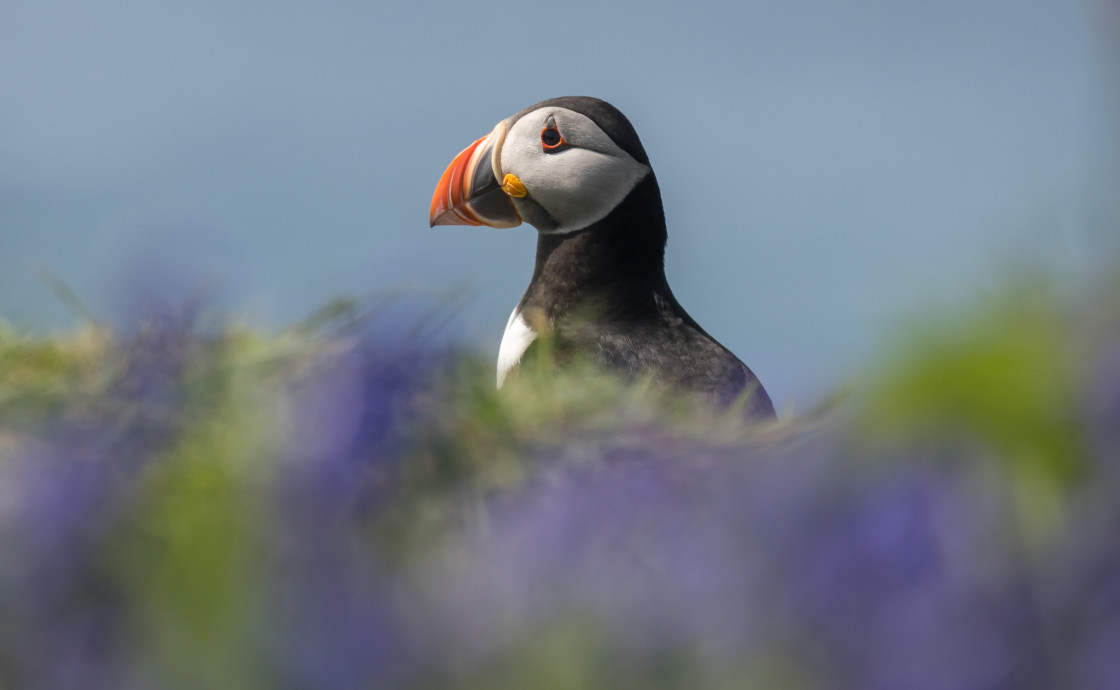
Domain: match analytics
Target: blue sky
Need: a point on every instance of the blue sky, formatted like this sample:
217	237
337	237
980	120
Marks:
827	168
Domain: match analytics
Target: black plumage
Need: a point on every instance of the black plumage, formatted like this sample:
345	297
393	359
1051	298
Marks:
603	293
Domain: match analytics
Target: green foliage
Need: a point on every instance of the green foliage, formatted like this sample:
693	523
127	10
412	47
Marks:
1010	375
44	375
320	468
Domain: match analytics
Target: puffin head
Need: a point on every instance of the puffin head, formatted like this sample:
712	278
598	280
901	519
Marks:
560	165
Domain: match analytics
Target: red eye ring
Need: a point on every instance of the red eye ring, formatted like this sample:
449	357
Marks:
551	139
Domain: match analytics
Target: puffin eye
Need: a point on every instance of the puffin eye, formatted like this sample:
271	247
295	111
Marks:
551	139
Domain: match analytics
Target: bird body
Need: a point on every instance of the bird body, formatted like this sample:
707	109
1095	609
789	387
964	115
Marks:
575	169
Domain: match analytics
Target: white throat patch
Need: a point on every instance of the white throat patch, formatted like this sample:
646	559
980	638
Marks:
579	185
515	342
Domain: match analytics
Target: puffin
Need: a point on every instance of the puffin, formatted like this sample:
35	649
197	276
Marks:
574	169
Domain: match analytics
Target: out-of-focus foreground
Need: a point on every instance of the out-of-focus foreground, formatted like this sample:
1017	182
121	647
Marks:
196	505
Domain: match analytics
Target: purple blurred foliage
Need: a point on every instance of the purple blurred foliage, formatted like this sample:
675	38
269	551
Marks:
63	613
334	621
353	418
335	607
358	406
856	580
1102	402
907	570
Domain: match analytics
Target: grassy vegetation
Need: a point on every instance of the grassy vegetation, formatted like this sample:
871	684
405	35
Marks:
192	504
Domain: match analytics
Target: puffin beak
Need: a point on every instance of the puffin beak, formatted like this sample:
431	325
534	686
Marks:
469	193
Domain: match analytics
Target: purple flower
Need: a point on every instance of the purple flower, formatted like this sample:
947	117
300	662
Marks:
636	557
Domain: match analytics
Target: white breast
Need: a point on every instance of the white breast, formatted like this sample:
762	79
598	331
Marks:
517	338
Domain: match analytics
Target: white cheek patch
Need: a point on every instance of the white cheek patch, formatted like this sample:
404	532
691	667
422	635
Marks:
517	339
577	186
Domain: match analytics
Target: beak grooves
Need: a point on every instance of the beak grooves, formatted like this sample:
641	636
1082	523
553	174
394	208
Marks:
469	192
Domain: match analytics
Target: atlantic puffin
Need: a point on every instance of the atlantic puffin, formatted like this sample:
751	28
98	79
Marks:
574	169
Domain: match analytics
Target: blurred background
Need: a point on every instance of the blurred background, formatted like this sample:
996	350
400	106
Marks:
826	169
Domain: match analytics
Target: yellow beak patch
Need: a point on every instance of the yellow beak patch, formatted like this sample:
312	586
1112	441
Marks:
512	186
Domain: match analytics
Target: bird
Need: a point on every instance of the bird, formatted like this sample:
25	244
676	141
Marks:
574	169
